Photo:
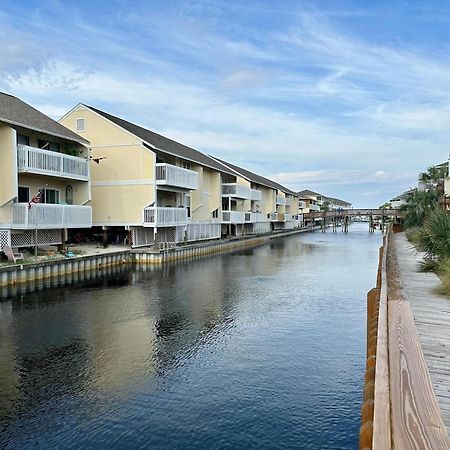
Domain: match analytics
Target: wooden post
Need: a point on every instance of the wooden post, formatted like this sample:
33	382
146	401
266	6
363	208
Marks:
105	237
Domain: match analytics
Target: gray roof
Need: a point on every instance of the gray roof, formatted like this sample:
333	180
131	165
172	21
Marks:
18	113
308	193
165	144
256	178
333	199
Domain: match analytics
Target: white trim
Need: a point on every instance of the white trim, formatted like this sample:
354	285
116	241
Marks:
83	122
82	140
146	182
119	145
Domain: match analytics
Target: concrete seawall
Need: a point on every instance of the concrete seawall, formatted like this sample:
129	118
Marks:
75	269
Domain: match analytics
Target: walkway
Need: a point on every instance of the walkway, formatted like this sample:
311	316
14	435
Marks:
432	317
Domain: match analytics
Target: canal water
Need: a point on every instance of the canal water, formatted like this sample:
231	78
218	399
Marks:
263	348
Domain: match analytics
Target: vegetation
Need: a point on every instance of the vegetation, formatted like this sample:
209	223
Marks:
428	224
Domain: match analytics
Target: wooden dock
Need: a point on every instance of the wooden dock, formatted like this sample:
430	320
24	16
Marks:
406	395
431	314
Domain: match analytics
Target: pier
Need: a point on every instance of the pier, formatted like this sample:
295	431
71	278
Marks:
406	394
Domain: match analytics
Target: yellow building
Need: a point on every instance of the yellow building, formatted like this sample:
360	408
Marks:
43	161
267	205
154	187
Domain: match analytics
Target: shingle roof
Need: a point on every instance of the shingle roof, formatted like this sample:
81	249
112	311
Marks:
338	200
308	193
165	144
16	112
256	178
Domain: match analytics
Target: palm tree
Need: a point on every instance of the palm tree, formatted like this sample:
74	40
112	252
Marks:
418	206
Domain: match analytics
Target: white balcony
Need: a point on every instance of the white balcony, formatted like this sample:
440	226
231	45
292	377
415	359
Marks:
236	190
280	200
233	217
301	204
45	162
164	217
170	175
47	216
314	207
255	195
273	217
288	217
288	201
253	217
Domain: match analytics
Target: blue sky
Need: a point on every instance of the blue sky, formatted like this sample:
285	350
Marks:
349	98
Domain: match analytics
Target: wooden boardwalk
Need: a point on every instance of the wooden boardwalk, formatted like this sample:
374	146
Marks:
432	318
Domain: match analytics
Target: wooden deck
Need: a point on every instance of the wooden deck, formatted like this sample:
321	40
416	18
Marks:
432	318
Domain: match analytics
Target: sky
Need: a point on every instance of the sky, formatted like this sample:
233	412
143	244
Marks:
347	98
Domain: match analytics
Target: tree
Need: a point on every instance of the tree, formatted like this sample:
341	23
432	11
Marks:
418	206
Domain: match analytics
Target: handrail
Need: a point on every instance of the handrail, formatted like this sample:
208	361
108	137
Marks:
400	409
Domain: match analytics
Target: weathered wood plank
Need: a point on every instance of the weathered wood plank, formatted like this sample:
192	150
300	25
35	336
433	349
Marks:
416	418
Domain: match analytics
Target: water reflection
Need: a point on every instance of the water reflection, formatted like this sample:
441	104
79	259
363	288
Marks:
234	350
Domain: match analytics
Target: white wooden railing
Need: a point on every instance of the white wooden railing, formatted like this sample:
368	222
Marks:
253	217
273	217
233	216
236	190
255	194
155	216
288	201
314	207
47	216
202	231
280	200
170	175
46	162
288	217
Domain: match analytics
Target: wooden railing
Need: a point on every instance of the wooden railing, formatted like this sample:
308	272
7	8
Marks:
170	175
356	212
236	190
155	216
280	200
400	409
48	216
233	217
45	162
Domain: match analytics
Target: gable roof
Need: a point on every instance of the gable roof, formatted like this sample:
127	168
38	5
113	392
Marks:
256	178
16	112
308	193
164	144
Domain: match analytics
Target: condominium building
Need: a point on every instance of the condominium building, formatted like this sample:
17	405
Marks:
44	177
163	191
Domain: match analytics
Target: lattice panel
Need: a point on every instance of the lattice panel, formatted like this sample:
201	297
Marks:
5	238
201	231
44	237
141	237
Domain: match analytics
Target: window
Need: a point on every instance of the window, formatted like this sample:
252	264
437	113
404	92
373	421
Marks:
80	125
23	140
186	165
23	194
47	145
215	213
51	196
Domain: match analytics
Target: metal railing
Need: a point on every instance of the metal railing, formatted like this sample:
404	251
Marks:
170	175
156	216
42	216
233	217
236	190
46	162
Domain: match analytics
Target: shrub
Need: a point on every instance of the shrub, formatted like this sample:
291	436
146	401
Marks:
434	237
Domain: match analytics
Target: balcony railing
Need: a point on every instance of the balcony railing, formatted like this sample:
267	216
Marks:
233	217
280	200
288	201
236	190
288	217
156	216
255	194
170	175
273	217
253	217
46	162
47	216
314	207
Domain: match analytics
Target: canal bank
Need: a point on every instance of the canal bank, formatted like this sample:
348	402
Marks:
68	270
259	348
